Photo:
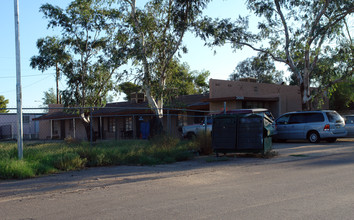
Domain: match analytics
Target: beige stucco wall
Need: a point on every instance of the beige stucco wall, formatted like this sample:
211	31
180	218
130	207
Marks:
289	96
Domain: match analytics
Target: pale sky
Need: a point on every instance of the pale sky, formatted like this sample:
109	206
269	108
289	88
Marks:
33	26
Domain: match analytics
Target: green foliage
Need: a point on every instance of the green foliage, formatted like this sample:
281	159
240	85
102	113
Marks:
342	97
49	97
68	161
180	81
297	33
92	39
47	158
3	103
203	143
52	54
156	38
128	88
261	68
15	169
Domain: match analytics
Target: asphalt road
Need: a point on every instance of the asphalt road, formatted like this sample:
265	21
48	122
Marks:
305	181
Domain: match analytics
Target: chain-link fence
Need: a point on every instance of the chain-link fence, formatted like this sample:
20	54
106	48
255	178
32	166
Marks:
95	124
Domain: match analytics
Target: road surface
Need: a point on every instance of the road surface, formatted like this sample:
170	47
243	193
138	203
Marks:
305	181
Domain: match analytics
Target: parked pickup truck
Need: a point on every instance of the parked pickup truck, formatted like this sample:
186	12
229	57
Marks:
191	131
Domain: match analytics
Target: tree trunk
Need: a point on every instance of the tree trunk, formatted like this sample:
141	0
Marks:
86	122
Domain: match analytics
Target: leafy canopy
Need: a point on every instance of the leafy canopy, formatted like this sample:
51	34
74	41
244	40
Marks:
296	33
3	104
97	47
261	68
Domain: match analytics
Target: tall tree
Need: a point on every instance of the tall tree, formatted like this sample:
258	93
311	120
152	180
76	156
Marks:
52	53
97	47
3	104
293	32
157	36
261	68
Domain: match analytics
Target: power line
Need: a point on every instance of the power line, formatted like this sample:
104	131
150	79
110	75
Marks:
9	77
12	90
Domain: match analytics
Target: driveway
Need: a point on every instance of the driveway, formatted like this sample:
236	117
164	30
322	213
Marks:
305	149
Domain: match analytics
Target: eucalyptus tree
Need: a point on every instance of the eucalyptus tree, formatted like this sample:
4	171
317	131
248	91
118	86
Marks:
52	53
297	33
157	32
91	34
261	68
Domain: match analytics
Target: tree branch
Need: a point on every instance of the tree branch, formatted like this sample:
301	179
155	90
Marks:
290	61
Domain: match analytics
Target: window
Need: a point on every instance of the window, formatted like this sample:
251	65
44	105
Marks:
283	120
26	119
253	104
349	120
314	117
297	119
128	124
334	117
111	124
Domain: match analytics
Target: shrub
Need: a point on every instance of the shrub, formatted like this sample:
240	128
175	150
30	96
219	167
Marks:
203	143
68	161
15	169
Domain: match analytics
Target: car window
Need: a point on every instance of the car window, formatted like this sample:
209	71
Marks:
314	117
334	117
297	118
349	120
283	119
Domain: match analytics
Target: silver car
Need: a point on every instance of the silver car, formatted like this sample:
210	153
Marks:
349	124
311	125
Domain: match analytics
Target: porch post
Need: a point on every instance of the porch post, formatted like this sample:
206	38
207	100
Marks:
134	128
168	122
74	128
101	133
51	129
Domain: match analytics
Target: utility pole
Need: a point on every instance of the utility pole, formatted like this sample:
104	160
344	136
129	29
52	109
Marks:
18	84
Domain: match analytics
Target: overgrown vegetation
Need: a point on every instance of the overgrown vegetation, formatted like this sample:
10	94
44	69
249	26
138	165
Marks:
203	143
40	159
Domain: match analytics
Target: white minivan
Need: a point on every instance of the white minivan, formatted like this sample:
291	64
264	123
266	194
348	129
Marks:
311	125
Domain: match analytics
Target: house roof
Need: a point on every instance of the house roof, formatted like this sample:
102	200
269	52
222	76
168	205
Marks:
125	108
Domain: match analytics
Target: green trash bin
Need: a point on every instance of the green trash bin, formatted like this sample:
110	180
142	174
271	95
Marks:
242	133
254	133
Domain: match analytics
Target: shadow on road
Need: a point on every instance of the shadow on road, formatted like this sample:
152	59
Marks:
322	154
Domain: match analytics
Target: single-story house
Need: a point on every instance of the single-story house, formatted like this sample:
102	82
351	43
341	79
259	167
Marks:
8	126
121	120
247	93
134	118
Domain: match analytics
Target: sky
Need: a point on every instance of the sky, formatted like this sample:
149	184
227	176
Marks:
33	26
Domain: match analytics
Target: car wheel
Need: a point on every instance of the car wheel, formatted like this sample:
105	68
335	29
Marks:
331	140
313	137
